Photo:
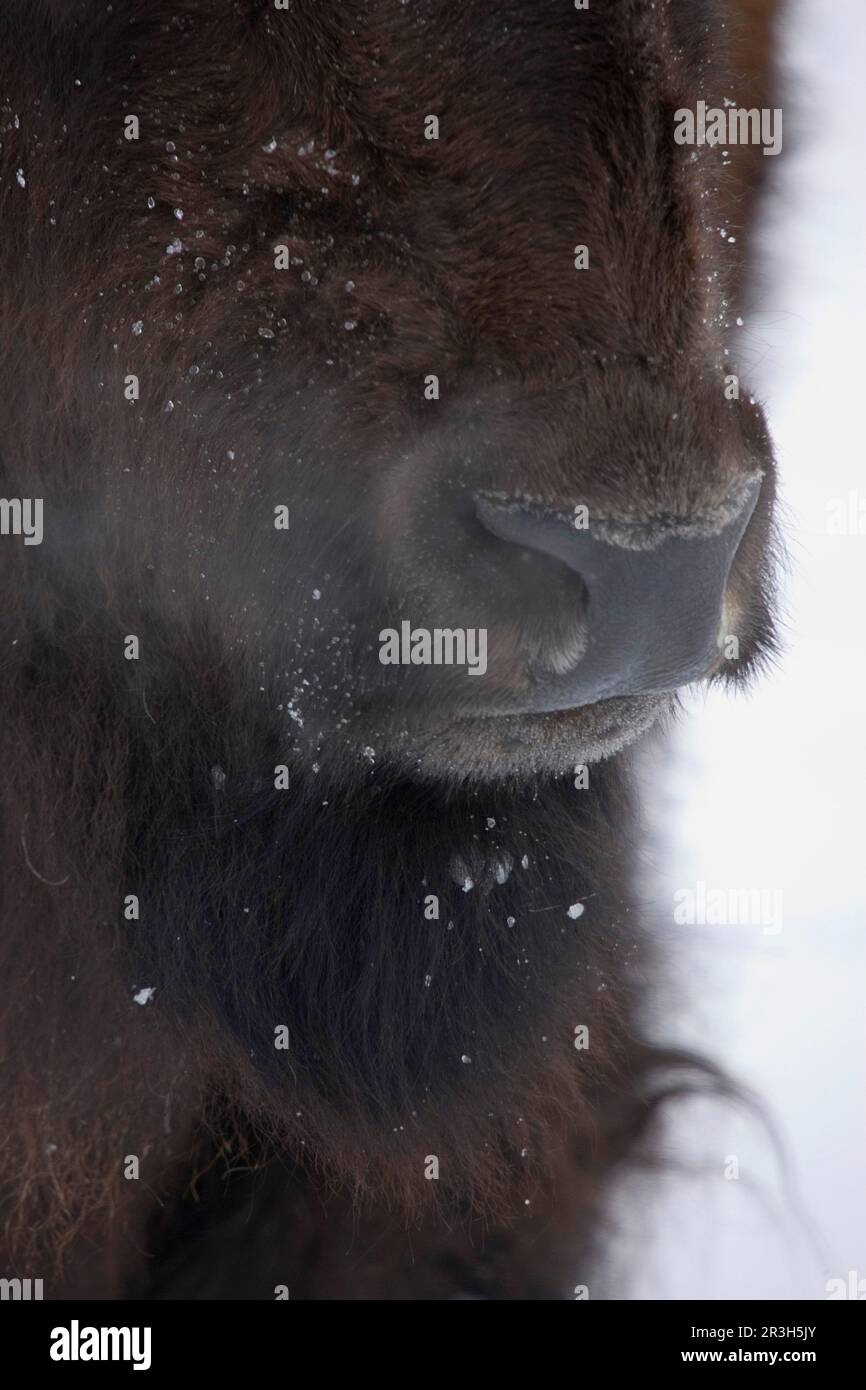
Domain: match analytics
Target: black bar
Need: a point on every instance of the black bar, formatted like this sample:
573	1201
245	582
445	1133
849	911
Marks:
252	1340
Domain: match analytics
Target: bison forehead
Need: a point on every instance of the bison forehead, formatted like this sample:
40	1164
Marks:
309	129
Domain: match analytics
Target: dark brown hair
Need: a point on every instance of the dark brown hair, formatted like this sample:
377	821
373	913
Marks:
152	259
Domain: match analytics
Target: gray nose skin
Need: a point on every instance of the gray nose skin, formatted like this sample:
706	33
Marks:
655	592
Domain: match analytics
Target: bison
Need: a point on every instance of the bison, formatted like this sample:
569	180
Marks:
352	348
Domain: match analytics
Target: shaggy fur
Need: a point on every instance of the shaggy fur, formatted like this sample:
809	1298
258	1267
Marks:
261	907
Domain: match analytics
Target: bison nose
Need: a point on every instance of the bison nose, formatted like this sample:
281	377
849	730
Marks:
654	591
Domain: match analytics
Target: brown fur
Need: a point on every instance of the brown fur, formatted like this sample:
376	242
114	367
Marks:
604	386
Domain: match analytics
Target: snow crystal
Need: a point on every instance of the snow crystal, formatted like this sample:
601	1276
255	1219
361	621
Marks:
144	996
575	911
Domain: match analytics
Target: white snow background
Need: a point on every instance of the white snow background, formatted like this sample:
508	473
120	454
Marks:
767	790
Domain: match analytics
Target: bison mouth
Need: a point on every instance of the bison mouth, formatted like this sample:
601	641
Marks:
658	609
498	747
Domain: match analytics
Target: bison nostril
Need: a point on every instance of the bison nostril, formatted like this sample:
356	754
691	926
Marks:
539	600
654	588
